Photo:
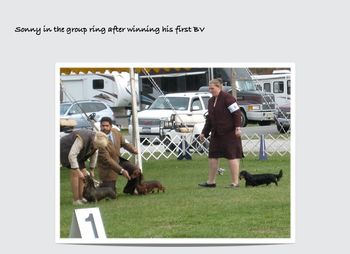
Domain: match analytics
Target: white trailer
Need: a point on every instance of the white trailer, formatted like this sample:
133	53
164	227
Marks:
277	83
113	89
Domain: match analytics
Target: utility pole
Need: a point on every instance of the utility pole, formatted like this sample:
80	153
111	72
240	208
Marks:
210	73
233	83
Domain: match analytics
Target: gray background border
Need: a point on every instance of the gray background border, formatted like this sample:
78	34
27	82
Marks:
313	35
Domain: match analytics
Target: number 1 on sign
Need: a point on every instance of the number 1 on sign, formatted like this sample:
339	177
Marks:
90	218
87	223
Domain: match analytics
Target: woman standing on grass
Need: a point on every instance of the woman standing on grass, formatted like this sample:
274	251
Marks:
224	124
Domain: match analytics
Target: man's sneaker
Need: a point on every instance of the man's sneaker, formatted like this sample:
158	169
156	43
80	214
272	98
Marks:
208	185
78	202
232	186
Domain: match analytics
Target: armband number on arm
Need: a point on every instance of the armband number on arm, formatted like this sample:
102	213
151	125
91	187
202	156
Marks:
233	107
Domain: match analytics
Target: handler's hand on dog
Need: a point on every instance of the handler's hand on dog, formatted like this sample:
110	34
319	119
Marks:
84	171
126	174
135	151
201	137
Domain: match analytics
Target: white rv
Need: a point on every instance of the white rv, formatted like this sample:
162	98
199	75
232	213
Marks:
113	89
277	83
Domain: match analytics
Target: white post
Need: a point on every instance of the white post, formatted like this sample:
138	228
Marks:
183	137
135	122
211	73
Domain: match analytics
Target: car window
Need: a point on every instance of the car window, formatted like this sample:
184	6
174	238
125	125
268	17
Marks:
99	107
75	110
278	87
196	102
178	103
64	107
288	87
245	85
205	101
87	107
267	87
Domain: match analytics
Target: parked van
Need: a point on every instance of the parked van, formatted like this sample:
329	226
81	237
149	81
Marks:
277	83
112	89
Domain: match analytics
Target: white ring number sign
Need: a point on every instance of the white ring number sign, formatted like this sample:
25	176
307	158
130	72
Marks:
87	224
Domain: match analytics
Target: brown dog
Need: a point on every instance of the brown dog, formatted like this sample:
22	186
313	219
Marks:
144	187
150	186
141	189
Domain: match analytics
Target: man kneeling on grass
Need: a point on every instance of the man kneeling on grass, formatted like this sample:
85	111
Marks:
110	164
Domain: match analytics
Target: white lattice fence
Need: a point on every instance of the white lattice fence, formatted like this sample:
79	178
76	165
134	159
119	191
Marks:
279	145
184	146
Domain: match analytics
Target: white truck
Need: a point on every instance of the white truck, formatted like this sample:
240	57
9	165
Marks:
172	112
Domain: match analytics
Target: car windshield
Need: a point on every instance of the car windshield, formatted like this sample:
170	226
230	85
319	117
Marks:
205	101
178	103
246	85
64	108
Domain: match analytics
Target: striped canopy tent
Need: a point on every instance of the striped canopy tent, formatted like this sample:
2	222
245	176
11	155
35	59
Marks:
152	71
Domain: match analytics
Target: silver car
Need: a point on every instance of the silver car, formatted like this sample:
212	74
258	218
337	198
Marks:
282	118
79	111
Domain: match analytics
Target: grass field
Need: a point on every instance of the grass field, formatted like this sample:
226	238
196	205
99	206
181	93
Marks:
188	211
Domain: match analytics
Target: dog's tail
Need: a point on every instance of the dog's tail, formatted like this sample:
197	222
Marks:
279	176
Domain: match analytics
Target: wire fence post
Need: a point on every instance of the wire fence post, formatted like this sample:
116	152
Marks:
262	153
184	149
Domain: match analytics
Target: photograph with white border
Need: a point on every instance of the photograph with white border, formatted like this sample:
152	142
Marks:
160	112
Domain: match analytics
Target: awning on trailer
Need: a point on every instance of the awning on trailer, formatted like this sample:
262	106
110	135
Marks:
77	70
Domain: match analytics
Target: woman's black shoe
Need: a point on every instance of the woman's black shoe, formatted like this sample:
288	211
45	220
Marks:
208	185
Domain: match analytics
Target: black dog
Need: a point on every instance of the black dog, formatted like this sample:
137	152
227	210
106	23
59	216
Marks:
259	179
135	178
93	194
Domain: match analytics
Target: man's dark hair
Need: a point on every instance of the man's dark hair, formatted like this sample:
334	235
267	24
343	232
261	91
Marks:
106	119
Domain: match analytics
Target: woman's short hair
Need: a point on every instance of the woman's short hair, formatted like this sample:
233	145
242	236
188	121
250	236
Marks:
216	82
100	140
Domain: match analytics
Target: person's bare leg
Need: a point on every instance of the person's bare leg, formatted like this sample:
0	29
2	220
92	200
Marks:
74	182
82	184
81	188
234	168
213	167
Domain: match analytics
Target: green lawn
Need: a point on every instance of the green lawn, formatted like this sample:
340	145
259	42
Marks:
188	211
